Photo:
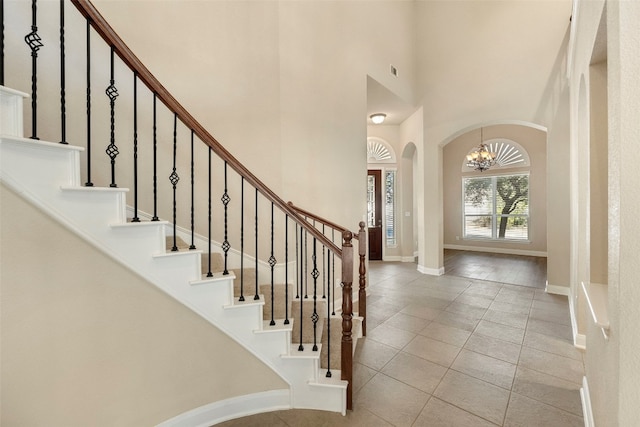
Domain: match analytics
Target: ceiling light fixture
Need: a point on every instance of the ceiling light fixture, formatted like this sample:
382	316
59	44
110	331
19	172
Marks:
480	158
378	118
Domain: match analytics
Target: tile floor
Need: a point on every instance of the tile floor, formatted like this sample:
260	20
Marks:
454	351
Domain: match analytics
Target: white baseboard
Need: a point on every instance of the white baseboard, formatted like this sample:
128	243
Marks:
431	271
579	340
557	289
409	258
587	412
228	409
398	258
496	250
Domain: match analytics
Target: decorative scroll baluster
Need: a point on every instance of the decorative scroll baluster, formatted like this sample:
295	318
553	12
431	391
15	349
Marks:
286	269
209	273
112	149
272	264
241	239
155	161
63	109
301	318
328	375
347	314
225	201
34	42
314	317
362	277
192	246
135	148
174	178
88	183
256	296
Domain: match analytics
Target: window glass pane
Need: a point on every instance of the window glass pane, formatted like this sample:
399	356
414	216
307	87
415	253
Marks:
515	227
478	226
389	207
478	196
512	195
371	201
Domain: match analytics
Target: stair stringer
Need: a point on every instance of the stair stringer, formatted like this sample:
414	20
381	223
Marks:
48	175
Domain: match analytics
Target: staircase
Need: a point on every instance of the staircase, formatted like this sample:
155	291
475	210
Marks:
48	175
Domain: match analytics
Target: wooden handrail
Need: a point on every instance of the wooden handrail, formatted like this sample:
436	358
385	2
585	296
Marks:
100	25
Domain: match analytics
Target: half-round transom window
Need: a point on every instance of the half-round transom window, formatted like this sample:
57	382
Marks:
379	151
509	154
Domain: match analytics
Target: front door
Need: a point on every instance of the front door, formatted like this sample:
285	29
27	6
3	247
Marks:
374	213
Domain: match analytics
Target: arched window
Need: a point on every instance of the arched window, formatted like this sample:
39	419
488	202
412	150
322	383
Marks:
509	154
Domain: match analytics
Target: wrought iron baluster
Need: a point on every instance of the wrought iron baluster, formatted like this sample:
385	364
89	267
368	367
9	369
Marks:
328	375
314	317
88	183
155	160
272	264
301	319
174	178
256	296
63	107
135	148
306	265
112	149
286	269
298	266
225	201
192	246
209	273
324	290
241	239
34	42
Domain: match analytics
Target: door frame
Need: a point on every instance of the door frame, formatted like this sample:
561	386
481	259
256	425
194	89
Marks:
379	212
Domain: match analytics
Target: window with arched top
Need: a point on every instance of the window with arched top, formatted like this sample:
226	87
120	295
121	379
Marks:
496	203
379	151
509	154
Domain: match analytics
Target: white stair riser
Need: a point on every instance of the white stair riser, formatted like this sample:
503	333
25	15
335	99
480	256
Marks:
11	104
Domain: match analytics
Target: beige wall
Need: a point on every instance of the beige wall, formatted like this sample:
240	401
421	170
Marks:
534	142
86	342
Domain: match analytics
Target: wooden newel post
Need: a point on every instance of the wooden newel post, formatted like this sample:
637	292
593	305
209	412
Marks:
362	272
347	314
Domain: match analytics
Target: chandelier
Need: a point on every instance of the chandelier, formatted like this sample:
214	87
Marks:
480	158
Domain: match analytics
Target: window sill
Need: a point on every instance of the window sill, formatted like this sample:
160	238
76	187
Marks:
488	240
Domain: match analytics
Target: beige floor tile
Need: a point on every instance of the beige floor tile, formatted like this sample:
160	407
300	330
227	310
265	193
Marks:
310	418
474	300
457	320
541	295
361	374
373	354
522	291
550	328
525	412
444	333
422	311
392	400
510	307
560	307
438	413
435	351
505	318
551	390
502	332
553	316
407	323
390	336
499	349
552	364
552	344
486	289
494	371
415	371
466	309
478	397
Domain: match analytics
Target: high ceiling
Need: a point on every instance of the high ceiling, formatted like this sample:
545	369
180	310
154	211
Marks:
480	61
